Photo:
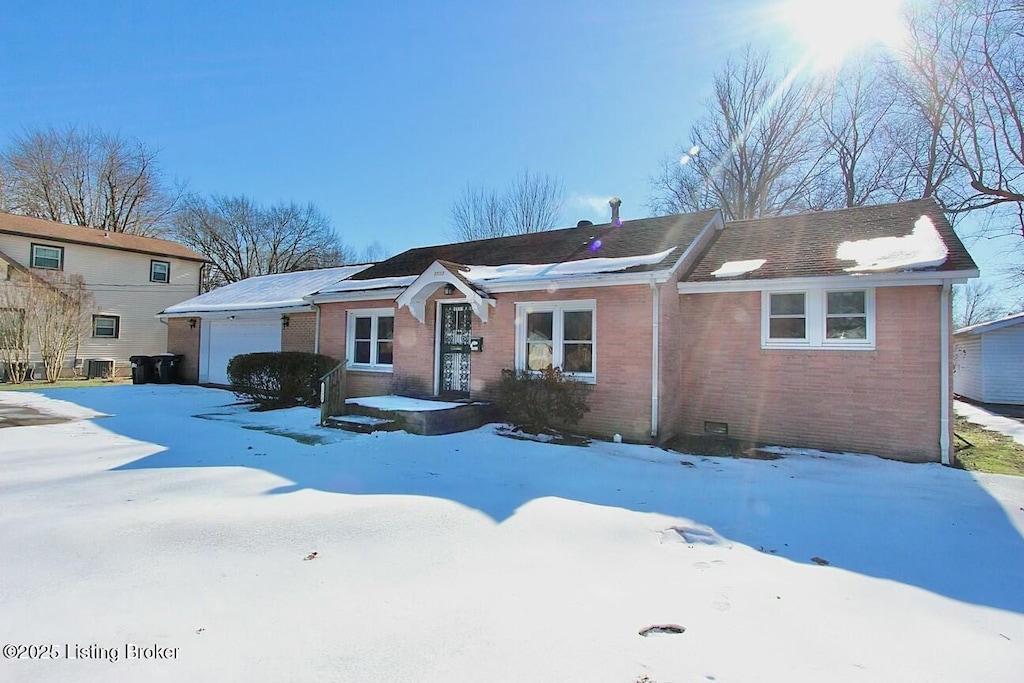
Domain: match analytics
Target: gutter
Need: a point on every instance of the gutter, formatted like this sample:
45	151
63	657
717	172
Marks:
316	330
946	402
655	331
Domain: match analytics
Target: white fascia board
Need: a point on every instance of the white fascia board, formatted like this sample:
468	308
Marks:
224	314
389	293
861	280
716	223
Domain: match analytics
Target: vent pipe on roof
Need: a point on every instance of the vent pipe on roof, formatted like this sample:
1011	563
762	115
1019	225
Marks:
615	203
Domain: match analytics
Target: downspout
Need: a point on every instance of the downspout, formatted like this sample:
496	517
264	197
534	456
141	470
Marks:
316	330
946	402
656	310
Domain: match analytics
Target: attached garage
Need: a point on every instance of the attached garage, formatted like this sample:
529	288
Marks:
229	338
265	313
989	361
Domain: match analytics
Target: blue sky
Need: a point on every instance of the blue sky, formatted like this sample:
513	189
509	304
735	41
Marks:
380	113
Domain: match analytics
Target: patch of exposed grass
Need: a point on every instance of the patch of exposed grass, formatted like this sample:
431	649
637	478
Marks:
989	451
63	384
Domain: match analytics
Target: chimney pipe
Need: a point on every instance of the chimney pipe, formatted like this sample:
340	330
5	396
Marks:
615	202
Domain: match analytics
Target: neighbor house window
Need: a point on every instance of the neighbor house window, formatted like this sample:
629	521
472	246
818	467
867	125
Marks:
106	326
557	334
819	318
159	271
48	258
371	339
12	328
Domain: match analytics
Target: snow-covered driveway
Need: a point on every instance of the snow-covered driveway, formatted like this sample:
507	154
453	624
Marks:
180	542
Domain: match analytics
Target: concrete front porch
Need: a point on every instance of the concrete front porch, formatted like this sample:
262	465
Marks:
415	415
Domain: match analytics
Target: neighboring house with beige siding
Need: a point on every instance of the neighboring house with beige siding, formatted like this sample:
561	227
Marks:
130	279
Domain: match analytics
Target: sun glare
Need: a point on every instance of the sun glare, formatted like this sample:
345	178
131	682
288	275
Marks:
830	30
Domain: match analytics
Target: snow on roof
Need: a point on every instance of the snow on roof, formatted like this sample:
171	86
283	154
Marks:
923	248
376	283
991	325
735	268
524	272
265	291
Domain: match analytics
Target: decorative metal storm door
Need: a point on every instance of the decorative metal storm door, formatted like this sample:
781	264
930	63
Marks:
456	330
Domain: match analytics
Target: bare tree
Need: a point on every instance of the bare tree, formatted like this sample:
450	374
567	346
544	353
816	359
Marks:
853	116
87	177
15	333
58	310
975	302
989	109
530	203
42	313
755	152
372	253
244	239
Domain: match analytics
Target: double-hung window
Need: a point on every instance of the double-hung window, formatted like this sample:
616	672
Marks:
106	326
371	339
557	334
818	318
159	271
47	258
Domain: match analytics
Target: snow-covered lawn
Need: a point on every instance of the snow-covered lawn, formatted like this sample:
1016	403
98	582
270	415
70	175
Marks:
473	557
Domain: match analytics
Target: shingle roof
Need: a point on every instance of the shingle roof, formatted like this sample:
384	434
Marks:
632	238
49	230
805	245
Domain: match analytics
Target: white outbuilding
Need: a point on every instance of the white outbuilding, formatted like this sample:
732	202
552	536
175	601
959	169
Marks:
989	361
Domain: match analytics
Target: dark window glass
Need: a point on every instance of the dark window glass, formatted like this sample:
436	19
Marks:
846	303
362	352
787	328
787	304
578	326
385	352
578	358
363	328
853	327
540	326
385	327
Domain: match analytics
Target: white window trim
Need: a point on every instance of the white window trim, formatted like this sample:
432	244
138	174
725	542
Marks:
350	339
815	308
558	308
116	319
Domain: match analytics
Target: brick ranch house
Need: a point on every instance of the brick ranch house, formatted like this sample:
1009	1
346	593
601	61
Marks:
828	330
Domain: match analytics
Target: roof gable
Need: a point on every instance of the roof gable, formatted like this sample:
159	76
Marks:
811	244
37	228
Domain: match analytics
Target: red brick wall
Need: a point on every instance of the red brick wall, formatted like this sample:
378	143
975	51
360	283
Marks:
620	402
300	333
884	401
184	339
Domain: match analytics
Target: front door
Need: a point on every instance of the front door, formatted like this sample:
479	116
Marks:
456	330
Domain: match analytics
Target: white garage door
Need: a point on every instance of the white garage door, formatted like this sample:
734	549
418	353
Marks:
228	338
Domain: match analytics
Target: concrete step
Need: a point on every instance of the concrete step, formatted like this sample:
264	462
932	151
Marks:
363	424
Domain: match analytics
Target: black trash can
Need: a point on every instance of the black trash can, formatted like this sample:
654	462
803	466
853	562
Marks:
167	367
142	369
